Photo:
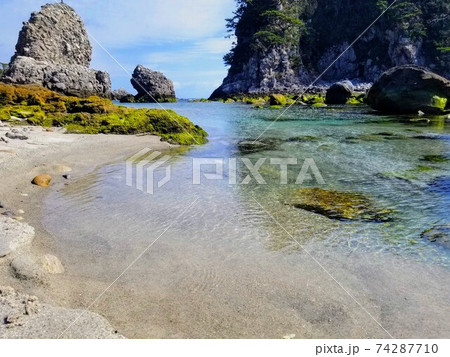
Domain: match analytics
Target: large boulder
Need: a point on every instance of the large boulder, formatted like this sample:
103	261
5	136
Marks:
408	89
339	93
72	80
53	50
152	86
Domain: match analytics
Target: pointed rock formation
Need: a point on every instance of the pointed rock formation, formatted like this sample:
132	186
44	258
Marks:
53	50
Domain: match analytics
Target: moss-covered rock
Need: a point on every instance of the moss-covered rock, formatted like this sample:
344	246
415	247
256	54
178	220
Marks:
93	115
439	235
254	101
278	99
304	139
338	205
252	145
435	158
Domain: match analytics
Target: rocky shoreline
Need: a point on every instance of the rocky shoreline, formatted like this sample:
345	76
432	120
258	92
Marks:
28	265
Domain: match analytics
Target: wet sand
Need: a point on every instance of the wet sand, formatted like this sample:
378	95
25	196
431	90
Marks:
47	152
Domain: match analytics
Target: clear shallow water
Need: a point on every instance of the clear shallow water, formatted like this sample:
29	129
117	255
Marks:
213	234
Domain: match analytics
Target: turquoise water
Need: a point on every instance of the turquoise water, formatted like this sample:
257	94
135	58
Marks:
355	150
231	253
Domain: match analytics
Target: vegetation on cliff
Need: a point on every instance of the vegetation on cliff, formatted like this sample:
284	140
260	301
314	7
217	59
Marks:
260	25
40	106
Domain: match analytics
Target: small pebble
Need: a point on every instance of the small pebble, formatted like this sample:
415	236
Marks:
21	211
42	180
67	177
289	337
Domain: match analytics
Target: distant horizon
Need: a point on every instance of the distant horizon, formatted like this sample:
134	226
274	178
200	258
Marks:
184	41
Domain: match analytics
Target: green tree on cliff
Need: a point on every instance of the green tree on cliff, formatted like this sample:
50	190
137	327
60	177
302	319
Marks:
259	25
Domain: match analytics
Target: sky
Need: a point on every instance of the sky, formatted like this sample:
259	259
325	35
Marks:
185	39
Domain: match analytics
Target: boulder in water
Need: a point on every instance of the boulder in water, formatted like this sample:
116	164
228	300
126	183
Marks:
339	93
408	90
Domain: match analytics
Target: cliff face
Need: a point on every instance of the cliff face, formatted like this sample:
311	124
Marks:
53	50
292	41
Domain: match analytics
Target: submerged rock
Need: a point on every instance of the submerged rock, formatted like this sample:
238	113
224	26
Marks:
339	93
338	205
52	264
152	86
435	158
53	50
408	90
251	146
439	235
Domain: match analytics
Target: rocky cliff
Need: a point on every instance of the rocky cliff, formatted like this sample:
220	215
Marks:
53	50
283	45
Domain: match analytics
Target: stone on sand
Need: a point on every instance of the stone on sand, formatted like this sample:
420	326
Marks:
42	180
52	264
25	267
13	235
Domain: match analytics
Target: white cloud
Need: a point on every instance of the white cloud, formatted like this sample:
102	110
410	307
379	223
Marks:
118	23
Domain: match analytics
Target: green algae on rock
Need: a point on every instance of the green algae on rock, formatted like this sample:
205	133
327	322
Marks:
435	158
439	235
338	205
252	145
94	115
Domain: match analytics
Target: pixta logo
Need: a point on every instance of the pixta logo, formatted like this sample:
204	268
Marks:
144	164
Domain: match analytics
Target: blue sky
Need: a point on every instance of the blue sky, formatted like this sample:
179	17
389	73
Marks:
184	39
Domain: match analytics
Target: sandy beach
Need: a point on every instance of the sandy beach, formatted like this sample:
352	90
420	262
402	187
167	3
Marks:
28	268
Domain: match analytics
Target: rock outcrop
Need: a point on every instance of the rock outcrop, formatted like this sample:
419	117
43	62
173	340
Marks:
53	50
408	89
152	86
